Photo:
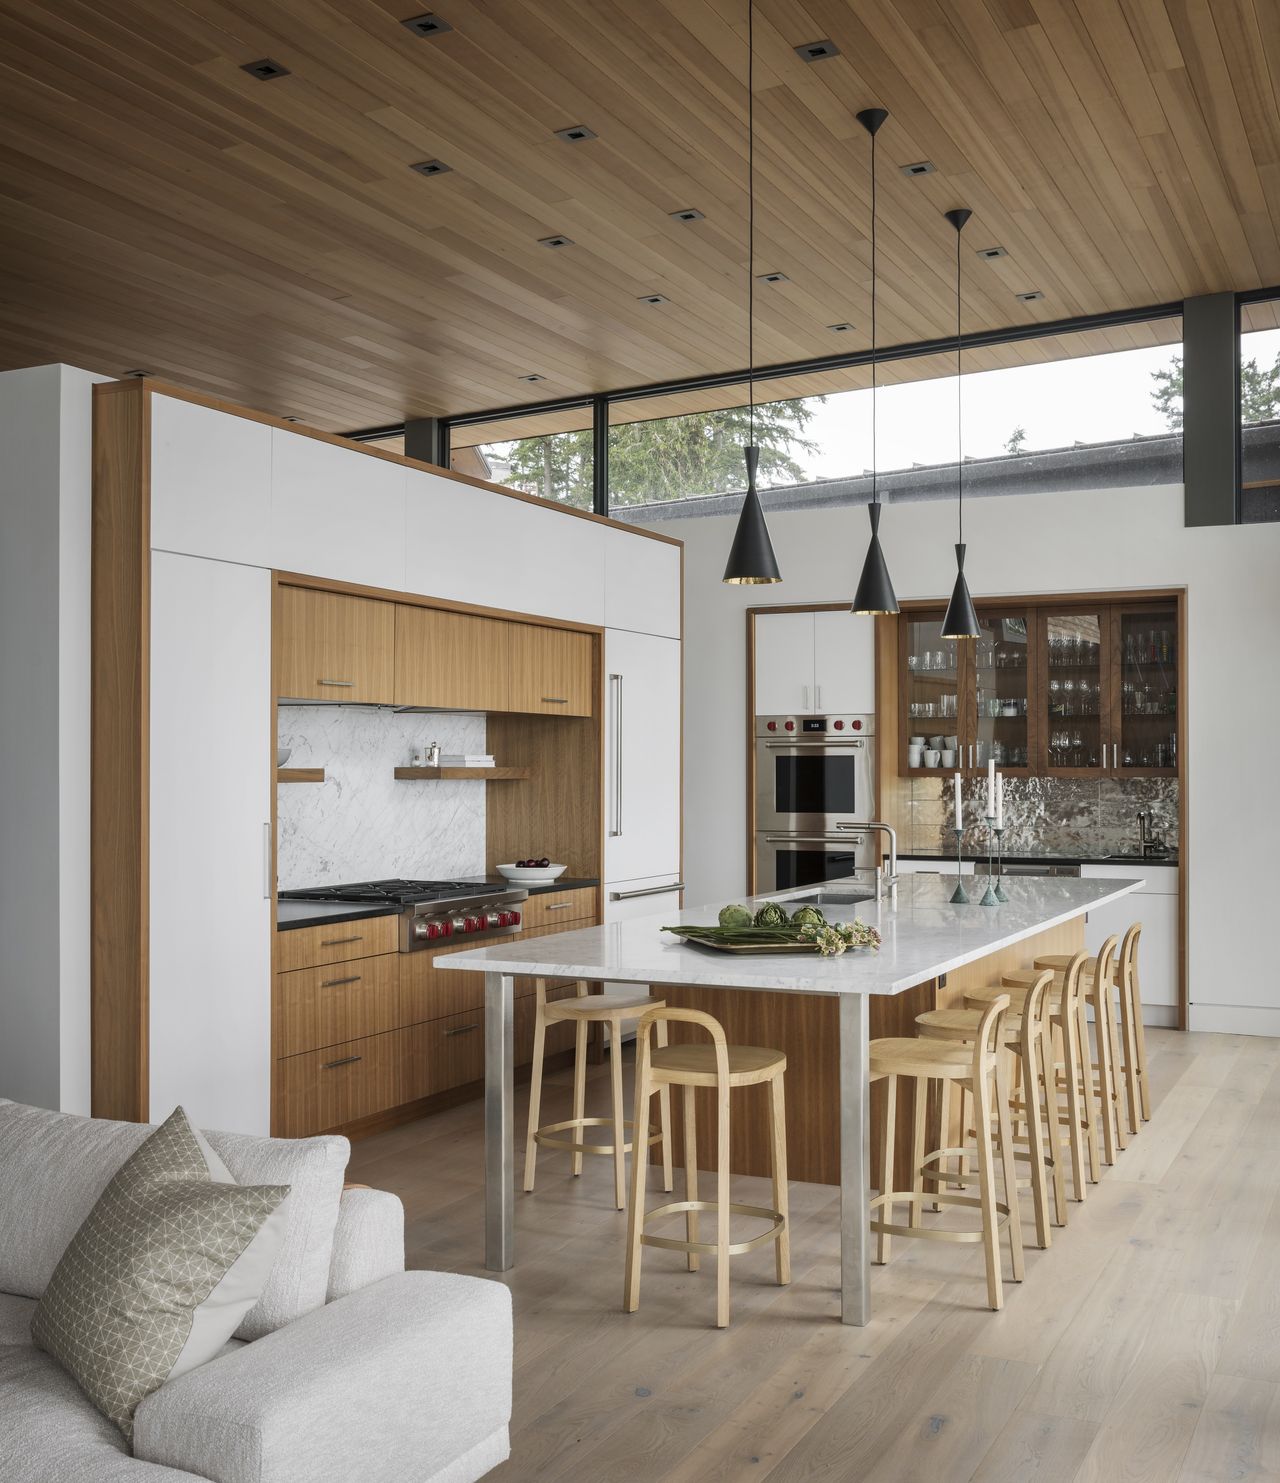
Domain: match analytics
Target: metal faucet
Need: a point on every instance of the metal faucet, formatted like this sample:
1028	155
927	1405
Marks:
890	880
1148	843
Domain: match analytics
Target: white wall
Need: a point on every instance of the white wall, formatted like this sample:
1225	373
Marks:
45	503
1109	539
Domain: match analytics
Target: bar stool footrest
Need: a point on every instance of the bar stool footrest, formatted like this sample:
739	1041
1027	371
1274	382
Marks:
931	1197
709	1248
542	1135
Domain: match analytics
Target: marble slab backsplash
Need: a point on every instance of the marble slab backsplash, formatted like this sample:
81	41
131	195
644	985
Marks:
360	823
1045	816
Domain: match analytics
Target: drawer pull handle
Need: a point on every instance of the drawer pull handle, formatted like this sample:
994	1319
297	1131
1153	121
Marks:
332	983
345	1061
560	906
341	684
340	941
461	1030
555	700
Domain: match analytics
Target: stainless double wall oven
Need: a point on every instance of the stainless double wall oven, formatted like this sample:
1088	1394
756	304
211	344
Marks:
815	788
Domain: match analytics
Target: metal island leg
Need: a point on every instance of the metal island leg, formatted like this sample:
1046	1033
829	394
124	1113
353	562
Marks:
499	1123
855	1159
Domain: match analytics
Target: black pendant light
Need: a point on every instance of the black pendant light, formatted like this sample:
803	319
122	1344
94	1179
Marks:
751	559
961	622
875	594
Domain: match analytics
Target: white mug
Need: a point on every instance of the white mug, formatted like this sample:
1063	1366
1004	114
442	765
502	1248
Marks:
948	758
914	755
917	741
931	757
953	744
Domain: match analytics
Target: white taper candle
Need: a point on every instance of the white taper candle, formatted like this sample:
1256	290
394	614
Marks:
959	817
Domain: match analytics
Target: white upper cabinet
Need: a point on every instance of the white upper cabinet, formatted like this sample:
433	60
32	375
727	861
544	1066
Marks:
469	544
642	756
810	663
336	512
844	663
210	831
210	483
784	664
641	584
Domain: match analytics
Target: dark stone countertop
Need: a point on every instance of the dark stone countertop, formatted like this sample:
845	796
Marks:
291	915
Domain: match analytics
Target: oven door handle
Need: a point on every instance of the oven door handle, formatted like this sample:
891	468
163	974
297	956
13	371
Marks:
814	839
851	744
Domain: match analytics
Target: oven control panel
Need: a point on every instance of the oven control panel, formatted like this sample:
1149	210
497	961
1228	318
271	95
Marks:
845	727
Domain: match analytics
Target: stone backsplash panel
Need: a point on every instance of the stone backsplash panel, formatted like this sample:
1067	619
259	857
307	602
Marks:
1049	816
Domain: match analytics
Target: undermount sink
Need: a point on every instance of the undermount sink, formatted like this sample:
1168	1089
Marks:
843	895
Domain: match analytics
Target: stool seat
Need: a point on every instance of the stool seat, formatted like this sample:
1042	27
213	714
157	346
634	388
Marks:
910	1056
1057	964
695	1064
602	1007
1021	979
962	1024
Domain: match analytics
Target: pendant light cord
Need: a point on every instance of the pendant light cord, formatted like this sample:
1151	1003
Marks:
751	223
875	462
959	400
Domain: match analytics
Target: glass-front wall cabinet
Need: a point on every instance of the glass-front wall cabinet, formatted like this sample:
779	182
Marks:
1051	689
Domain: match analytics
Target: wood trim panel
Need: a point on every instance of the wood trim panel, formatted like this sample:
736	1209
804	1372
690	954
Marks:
119	907
152	385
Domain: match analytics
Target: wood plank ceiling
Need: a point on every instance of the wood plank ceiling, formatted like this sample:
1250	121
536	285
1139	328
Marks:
268	242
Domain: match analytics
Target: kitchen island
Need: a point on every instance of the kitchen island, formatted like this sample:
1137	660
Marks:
926	943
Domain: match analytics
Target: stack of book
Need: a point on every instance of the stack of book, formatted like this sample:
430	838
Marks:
465	759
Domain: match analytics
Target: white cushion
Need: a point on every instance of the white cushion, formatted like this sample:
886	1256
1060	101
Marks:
54	1166
368	1243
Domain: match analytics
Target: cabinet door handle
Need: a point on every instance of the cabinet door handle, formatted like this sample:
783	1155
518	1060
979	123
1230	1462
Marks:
804	704
1115	763
339	684
461	1030
345	1061
646	891
332	983
817	697
616	682
340	941
267	871
555	700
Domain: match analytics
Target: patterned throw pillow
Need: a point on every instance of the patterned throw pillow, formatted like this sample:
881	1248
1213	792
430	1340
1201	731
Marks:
158	1277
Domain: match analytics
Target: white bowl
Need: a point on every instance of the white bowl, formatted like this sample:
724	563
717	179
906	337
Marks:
531	875
282	755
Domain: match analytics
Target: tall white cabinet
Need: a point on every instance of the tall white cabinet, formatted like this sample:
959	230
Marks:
210	842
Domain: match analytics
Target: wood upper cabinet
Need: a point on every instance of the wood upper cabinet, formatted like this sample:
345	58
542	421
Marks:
455	661
334	647
550	671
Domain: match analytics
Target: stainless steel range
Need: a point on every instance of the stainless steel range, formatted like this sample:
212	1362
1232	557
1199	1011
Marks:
431	912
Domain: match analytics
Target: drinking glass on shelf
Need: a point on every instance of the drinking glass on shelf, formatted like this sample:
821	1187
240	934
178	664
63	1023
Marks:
913	661
1068	697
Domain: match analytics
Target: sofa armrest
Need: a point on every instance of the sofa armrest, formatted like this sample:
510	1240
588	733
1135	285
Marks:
394	1382
368	1241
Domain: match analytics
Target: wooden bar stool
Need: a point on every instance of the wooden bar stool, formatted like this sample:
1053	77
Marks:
1133	1031
615	1011
1072	1071
979	1068
1029	1036
1098	987
722	1067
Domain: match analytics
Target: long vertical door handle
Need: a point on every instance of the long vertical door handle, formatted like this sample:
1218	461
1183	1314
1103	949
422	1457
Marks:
817	697
615	684
804	704
266	860
1115	761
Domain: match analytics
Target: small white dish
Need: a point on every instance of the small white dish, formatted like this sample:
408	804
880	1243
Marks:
531	875
282	755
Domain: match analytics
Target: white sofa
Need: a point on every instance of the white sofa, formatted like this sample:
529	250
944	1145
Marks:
348	1368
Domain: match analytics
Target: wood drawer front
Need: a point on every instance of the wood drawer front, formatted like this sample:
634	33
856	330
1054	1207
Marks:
334	647
550	671
315	947
556	909
327	1088
441	1054
317	1007
457	661
431	993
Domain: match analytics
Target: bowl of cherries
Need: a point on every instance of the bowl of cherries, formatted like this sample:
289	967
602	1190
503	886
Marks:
532	872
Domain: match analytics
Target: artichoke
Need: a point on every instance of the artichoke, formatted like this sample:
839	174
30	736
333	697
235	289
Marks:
806	916
772	914
735	916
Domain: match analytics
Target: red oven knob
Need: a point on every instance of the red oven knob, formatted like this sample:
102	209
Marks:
839	725
473	924
515	918
857	725
791	725
433	931
772	726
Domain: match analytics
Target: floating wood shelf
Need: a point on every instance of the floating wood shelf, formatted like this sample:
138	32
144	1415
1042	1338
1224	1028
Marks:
451	774
300	774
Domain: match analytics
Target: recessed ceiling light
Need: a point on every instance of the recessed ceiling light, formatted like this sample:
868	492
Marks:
135	375
840	328
990	252
555	241
689	213
431	167
291	419
533	376
576	133
654	299
1031	296
921	167
264	69
815	51
427	25
773	278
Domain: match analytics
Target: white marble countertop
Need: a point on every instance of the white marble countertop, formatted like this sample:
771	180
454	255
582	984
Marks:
922	937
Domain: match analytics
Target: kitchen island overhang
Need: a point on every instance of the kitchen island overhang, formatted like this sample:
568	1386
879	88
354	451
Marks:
928	944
